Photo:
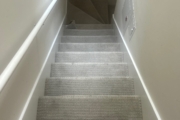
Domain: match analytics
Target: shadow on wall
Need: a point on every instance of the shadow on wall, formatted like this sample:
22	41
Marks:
90	11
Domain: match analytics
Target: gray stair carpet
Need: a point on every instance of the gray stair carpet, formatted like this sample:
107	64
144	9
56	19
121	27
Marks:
89	69
89	86
90	57
76	32
89	80
94	26
89	39
91	47
90	108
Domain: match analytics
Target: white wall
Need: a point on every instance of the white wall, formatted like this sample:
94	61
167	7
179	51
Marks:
155	48
17	20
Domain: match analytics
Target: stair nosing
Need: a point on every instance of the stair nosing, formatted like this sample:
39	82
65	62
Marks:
93	24
92	96
99	17
89	30
118	77
90	43
89	63
90	36
96	52
112	36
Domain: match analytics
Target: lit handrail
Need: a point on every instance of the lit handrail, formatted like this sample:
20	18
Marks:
4	77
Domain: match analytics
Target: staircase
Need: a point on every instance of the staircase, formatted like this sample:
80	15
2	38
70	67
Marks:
90	11
89	79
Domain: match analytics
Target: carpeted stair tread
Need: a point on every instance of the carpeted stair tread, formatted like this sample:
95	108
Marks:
86	57
89	86
89	47
89	39
90	108
94	26
88	69
80	32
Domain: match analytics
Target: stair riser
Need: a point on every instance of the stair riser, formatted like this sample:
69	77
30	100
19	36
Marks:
90	57
58	87
89	108
89	32
89	39
93	26
88	70
91	47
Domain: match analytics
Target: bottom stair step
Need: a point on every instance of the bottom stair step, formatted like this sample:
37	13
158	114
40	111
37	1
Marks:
89	86
90	108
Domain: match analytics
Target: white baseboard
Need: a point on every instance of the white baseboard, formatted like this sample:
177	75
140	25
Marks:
56	40
136	69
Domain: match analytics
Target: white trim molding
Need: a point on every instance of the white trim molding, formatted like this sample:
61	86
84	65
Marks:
138	72
22	50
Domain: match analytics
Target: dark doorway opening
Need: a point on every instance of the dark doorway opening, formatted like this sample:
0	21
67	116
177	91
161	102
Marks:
90	11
